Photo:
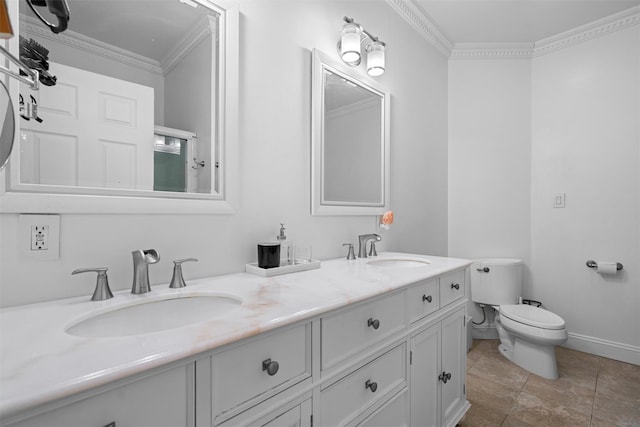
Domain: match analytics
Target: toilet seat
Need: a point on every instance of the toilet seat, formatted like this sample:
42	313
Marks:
532	316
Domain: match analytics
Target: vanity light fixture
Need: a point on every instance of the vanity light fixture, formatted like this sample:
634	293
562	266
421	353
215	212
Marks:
352	37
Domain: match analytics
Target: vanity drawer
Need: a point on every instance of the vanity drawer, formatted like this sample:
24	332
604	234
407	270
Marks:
270	363
159	400
349	332
359	390
451	287
392	413
423	299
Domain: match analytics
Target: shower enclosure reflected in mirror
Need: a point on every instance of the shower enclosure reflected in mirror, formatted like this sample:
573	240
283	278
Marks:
350	142
123	70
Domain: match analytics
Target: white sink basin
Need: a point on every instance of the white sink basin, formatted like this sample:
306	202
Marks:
399	262
154	316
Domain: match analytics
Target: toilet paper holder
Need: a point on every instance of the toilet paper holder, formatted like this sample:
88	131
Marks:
593	264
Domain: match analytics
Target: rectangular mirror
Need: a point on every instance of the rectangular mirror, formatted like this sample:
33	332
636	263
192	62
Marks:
144	108
350	141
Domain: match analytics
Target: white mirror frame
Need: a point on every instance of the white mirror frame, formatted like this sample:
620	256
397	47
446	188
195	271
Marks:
21	198
321	63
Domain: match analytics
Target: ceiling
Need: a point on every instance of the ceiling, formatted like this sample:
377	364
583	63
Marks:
149	28
513	21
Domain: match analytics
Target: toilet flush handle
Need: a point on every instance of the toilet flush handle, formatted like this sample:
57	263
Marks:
483	270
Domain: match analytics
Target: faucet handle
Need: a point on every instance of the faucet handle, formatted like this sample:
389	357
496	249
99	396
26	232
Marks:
102	291
351	254
177	281
372	251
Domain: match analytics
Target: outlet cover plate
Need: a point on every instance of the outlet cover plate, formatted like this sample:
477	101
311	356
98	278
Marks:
52	224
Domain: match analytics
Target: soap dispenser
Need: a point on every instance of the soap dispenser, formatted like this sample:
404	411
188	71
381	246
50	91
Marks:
286	247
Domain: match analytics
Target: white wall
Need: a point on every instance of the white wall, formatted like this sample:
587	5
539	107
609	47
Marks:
489	158
186	109
275	108
565	122
586	143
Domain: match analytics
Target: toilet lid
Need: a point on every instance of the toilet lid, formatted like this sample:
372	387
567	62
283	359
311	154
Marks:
533	316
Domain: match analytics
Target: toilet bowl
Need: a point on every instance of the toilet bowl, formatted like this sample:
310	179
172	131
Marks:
528	334
533	333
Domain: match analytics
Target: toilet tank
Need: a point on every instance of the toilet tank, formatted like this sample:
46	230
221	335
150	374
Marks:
496	281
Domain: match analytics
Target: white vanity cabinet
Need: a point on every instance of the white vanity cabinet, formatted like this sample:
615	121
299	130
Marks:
437	372
164	399
397	358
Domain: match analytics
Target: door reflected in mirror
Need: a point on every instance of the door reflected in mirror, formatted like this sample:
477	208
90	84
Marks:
123	69
350	141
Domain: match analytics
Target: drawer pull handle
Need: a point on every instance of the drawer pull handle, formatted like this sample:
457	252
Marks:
371	385
444	377
427	298
270	366
455	286
375	323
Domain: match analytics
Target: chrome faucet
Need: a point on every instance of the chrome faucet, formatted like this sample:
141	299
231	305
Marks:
141	260
362	243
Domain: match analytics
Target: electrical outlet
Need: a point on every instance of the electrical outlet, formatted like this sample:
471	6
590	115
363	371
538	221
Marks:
39	237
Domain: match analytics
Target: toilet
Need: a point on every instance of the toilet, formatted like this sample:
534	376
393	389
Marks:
528	334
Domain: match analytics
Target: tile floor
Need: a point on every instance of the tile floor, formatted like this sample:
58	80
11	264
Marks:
592	391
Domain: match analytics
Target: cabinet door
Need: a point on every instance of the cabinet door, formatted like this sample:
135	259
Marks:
425	362
453	362
163	399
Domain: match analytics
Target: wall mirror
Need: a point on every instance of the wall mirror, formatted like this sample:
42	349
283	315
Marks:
143	113
350	141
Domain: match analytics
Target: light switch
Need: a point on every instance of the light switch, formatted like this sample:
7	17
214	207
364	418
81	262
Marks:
559	200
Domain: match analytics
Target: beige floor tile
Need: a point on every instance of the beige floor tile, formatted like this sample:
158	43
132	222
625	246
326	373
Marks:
564	391
490	394
498	369
539	412
511	421
600	423
619	412
576	368
619	380
479	416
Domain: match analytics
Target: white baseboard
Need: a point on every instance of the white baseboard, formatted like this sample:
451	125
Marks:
599	347
484	332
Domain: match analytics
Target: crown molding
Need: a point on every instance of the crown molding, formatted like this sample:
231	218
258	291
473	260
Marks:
492	51
205	26
419	20
90	45
610	24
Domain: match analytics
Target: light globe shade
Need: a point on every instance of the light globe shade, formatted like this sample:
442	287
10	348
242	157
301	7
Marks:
350	44
375	58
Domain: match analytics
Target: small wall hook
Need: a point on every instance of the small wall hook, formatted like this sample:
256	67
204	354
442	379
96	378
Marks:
198	164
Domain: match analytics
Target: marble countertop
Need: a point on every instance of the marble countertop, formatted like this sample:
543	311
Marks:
40	362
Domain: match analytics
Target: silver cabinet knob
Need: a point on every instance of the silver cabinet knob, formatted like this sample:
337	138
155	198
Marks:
455	286
427	298
102	291
374	323
371	385
271	366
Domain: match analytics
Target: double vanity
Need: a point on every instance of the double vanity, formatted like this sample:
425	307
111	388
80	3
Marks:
368	342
